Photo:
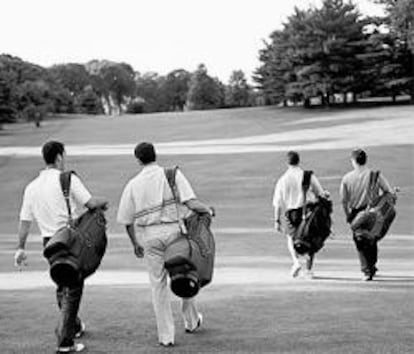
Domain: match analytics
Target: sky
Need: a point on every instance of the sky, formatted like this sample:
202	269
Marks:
151	35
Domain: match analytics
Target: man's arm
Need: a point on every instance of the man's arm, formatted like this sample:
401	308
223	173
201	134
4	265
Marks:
20	256
384	184
97	202
317	187
198	207
343	192
277	204
83	197
346	210
187	196
138	249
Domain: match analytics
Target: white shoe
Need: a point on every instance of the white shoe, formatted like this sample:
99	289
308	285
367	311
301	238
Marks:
166	345
367	277
309	275
198	325
76	348
294	272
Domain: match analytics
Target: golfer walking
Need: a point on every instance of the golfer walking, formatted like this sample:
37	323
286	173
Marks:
43	202
288	200
148	211
355	198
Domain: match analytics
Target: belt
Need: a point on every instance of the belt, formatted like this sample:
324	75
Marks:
158	223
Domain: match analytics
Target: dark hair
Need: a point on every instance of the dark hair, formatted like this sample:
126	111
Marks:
51	150
359	156
293	158
145	152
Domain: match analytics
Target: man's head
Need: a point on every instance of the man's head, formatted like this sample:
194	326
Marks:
53	153
145	153
293	158
358	157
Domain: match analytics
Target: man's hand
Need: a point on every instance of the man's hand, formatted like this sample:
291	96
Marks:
139	251
278	226
20	258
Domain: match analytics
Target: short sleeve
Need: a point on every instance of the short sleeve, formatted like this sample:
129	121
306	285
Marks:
78	191
26	212
126	209
185	191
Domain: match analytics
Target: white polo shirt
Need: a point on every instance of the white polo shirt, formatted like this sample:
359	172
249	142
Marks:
147	198
288	190
43	201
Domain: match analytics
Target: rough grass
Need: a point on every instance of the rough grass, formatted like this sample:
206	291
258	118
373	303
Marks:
349	318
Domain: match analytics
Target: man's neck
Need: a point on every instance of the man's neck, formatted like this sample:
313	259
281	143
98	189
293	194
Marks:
53	167
360	167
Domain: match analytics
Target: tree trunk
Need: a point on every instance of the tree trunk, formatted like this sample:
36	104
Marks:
345	98
354	97
307	103
411	61
285	103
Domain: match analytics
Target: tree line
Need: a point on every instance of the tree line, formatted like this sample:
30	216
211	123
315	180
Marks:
29	91
324	53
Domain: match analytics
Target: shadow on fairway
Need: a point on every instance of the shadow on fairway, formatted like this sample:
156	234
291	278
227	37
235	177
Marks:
379	278
336	278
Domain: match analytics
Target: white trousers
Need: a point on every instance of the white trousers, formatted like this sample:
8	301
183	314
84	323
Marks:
155	241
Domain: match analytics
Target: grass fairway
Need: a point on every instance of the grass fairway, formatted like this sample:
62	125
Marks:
252	305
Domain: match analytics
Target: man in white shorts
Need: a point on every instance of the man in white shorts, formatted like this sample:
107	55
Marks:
147	207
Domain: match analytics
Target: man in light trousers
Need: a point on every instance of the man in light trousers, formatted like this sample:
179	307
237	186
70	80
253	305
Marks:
147	208
288	196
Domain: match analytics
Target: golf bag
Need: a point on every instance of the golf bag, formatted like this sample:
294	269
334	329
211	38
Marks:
373	223
76	250
190	259
313	221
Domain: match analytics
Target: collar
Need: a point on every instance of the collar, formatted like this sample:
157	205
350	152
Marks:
50	170
150	166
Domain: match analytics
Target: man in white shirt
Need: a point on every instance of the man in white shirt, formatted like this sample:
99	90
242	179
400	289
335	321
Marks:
288	195
148	207
43	202
355	198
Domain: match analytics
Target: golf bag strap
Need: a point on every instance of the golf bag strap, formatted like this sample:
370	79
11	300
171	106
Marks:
65	179
372	187
170	174
306	181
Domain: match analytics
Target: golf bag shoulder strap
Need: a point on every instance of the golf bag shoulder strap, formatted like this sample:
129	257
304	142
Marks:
306	181
65	179
373	186
170	174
